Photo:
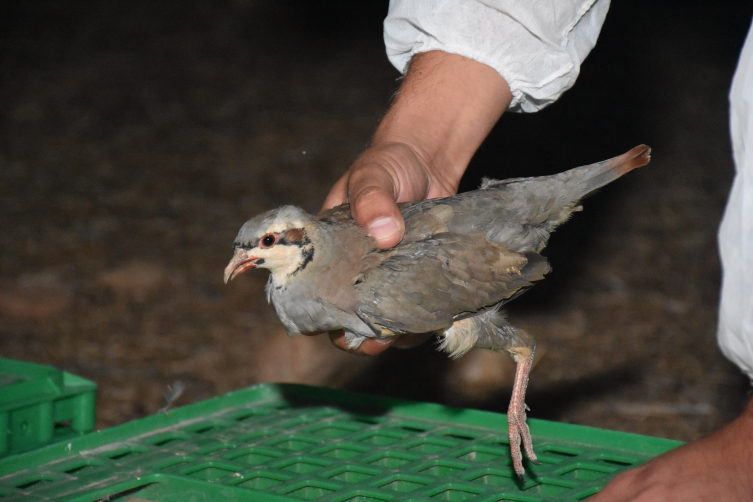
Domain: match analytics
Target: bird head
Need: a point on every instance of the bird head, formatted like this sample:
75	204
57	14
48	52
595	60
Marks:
277	240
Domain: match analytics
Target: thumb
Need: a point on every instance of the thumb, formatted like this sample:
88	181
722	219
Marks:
372	203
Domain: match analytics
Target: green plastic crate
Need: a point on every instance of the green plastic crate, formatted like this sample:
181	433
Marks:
292	442
40	404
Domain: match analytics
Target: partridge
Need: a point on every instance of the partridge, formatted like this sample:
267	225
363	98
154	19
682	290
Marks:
461	259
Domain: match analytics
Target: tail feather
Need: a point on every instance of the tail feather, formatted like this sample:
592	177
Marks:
610	170
521	213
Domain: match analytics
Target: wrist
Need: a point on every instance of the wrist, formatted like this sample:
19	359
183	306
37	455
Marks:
447	104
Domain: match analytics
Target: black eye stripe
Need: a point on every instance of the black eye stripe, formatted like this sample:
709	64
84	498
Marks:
280	240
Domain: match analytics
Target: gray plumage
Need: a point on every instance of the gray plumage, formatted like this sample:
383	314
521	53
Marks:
461	259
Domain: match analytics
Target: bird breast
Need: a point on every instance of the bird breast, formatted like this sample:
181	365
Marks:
323	296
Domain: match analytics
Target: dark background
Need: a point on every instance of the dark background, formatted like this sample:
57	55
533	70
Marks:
136	137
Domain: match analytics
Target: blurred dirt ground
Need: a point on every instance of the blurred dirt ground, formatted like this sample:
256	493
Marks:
138	136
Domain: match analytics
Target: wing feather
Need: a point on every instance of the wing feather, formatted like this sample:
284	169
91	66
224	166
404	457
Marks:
458	275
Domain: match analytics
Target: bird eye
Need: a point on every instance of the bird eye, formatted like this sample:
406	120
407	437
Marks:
268	241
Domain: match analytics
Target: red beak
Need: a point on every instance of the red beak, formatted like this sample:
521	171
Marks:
240	262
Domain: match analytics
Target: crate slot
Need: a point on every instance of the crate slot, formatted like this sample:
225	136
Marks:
302	465
553	455
392	459
351	474
455	493
548	488
404	484
250	414
127	495
461	435
442	468
494	477
124	453
483	453
311	490
617	461
34	482
293	442
211	471
427	445
341	451
363	496
167	439
217	449
585	471
262	434
254	456
412	427
380	438
262	480
206	428
333	430
365	419
79	468
175	464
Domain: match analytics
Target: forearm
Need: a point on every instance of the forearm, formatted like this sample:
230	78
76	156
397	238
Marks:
741	435
446	106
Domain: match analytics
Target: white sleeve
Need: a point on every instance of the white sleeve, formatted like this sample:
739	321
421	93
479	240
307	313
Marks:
735	333
536	45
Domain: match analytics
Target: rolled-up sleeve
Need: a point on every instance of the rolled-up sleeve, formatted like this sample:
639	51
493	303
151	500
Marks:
536	45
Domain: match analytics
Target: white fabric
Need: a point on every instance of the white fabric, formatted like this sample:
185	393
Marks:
536	45
735	333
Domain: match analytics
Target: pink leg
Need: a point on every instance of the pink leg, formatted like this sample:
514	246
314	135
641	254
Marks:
516	413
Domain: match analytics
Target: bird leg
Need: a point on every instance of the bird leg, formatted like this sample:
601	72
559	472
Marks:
516	413
491	331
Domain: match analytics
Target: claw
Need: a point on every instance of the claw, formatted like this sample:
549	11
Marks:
516	416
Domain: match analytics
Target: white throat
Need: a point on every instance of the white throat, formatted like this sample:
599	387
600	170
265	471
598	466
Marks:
286	262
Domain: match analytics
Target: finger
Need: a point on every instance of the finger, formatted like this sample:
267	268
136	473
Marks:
373	346
372	203
369	347
338	194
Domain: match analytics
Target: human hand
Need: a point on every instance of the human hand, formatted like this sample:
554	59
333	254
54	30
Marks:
445	107
714	469
381	176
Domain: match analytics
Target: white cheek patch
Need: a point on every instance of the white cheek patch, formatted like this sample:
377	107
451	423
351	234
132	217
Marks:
282	261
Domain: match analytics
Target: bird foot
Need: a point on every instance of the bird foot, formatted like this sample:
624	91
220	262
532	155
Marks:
516	416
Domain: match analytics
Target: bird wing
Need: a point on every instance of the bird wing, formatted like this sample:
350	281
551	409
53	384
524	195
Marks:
427	285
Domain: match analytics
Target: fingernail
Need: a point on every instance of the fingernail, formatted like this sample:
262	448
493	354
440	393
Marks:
385	340
383	228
